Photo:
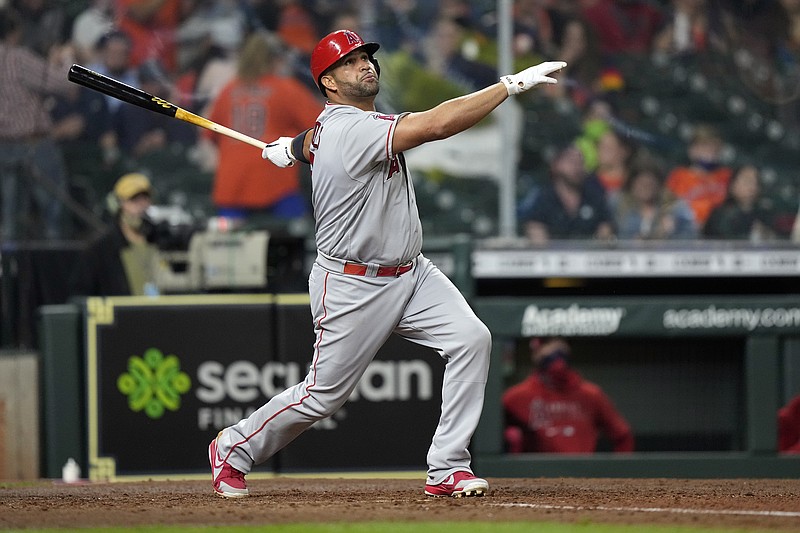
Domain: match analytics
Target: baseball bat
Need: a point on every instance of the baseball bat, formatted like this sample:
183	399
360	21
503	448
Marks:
122	91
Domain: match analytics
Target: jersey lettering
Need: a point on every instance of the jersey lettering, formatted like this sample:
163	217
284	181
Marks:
315	136
394	167
314	142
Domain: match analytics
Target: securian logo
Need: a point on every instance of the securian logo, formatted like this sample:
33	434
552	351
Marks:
154	383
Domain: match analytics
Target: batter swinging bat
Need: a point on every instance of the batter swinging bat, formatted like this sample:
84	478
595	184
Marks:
121	91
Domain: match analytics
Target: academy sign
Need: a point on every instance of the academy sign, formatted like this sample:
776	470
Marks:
572	320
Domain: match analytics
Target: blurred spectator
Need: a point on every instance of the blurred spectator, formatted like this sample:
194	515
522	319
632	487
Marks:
624	26
751	23
31	163
403	23
443	56
688	30
555	410
84	119
262	14
595	121
345	19
579	47
209	42
534	29
296	26
43	24
571	206
648	211
122	260
141	132
614	155
89	26
787	45
530	20
704	181
433	71
745	213
786	53
113	58
212	28
152	26
789	426
263	104
83	129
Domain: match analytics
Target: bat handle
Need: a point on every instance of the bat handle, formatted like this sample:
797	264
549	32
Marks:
197	120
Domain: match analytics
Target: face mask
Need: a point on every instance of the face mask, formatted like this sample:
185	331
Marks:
554	357
143	225
133	221
555	369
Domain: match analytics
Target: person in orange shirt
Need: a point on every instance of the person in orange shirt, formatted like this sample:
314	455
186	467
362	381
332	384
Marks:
703	183
151	25
263	104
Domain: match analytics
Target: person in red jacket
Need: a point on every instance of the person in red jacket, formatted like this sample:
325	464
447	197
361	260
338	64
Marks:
789	426
555	410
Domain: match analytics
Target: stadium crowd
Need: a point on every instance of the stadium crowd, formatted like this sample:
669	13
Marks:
675	119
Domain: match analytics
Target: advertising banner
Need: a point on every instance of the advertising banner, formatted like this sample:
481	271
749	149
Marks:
165	374
635	316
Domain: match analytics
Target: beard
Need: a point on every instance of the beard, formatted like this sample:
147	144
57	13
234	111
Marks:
359	89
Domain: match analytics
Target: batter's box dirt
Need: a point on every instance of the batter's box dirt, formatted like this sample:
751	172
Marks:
736	503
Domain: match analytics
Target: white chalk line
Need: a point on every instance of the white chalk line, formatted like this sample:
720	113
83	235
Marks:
783	514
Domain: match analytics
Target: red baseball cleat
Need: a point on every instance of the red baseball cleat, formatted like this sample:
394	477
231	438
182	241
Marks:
459	484
228	482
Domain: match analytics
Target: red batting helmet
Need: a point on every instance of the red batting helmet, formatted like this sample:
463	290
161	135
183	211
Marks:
335	46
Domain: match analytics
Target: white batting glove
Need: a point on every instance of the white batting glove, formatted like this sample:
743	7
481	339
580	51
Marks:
279	152
531	76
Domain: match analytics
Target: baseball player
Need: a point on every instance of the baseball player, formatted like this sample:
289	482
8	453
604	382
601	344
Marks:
369	279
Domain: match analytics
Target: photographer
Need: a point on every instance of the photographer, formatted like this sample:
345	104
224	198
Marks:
122	260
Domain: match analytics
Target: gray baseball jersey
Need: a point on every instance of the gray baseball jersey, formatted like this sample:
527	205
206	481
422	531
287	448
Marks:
364	202
366	212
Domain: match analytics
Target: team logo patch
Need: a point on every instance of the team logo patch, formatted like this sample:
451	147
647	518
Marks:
352	38
154	383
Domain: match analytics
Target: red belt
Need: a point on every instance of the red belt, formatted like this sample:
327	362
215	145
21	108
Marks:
359	269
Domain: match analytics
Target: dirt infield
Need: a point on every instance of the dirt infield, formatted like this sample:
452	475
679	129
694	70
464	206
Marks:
757	504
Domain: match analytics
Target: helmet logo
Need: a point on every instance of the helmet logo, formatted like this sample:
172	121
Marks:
352	38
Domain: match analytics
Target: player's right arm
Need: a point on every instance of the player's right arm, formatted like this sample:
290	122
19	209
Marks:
459	114
284	151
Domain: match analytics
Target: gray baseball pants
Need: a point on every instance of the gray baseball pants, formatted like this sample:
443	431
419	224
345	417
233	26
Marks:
353	317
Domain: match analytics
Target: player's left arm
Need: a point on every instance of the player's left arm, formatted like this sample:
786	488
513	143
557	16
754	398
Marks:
440	122
461	113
